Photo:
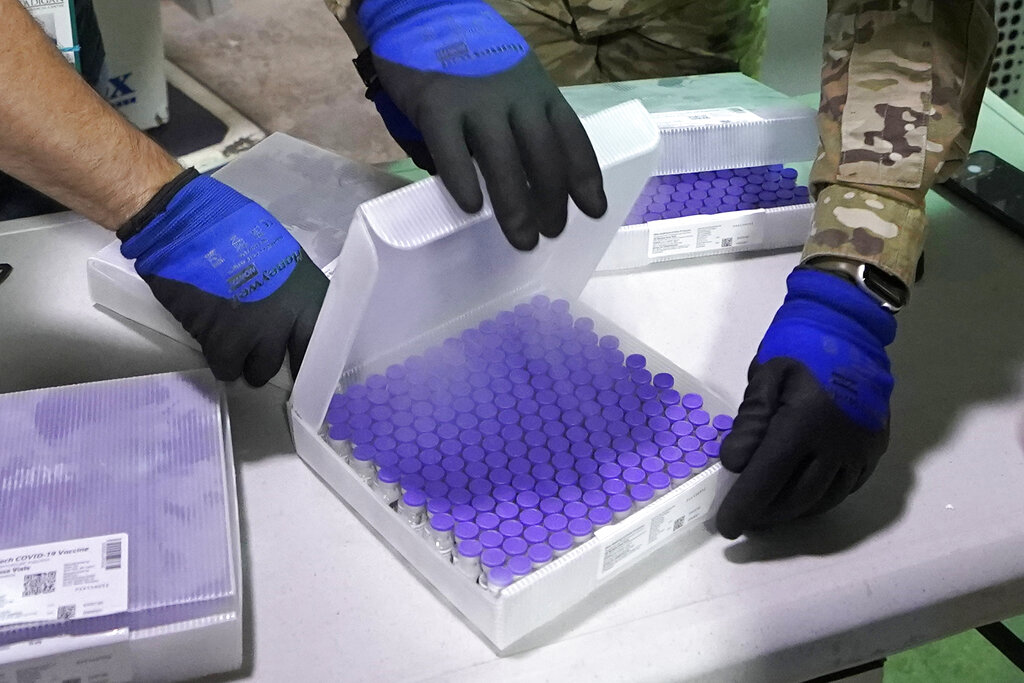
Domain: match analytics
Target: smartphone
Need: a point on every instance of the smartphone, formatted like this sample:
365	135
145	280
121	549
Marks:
994	186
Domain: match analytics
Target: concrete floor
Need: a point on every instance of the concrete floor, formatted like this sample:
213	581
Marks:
285	65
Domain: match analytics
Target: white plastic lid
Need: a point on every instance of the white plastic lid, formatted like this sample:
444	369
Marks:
712	121
415	265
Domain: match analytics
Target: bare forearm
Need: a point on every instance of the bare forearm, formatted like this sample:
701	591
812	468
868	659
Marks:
60	137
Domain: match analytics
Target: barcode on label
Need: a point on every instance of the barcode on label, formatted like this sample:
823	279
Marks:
66	612
726	242
112	554
39	584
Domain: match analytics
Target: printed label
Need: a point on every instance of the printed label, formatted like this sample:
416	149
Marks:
96	658
705	117
692	235
654	526
77	579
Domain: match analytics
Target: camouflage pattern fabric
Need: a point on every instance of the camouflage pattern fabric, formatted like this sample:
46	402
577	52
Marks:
598	41
902	85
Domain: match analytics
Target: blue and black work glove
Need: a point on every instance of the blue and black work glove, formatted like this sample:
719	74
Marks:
815	417
230	273
469	83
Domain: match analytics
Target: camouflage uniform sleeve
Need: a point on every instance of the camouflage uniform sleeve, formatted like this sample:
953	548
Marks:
345	12
902	85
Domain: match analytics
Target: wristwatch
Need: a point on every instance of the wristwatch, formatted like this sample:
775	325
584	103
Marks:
890	293
367	73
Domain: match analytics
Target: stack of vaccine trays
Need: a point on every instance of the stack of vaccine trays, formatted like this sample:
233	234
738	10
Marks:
733	171
515	447
119	547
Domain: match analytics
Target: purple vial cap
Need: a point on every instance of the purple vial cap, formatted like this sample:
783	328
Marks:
540	553
706	433
594	498
389	475
581	527
722	422
712	449
465	530
506	510
600	515
546	488
555	522
503	493
535	533
575	510
438	506
492	558
590	482
412	482
696	459
528	499
442	522
628	459
633	476
620	502
470	548
551	506
688	443
531	516
659	481
570	493
514	546
523	482
414	498
483	503
652	464
664	438
614	486
675	413
642	492
646	449
463	513
670	454
635	361
488	521
682	428
692	401
510	528
491	539
520	565
560	540
699	417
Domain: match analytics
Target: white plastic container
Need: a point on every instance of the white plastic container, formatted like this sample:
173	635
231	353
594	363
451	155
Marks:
708	123
314	194
415	270
143	467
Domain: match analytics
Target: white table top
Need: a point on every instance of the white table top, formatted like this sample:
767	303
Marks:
932	545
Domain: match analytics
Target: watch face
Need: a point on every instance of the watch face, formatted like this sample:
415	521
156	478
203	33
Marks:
890	289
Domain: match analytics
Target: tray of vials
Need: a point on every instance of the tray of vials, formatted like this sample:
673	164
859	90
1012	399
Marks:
515	447
688	215
720	186
514	442
119	547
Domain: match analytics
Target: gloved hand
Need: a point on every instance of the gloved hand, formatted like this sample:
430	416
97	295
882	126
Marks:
815	418
230	273
470	84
